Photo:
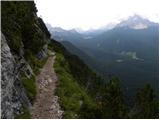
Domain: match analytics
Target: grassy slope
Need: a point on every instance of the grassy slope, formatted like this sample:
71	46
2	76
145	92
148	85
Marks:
72	96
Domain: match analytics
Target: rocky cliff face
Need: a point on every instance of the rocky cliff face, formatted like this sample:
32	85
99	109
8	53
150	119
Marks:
7	79
24	40
13	93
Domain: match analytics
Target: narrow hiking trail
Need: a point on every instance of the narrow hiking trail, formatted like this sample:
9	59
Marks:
46	105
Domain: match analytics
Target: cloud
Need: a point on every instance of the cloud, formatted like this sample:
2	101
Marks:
88	14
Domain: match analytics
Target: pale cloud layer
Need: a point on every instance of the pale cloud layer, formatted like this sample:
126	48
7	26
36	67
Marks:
88	14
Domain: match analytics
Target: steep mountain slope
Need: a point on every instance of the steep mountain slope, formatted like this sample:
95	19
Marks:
129	51
81	92
69	35
89	60
24	51
85	95
130	54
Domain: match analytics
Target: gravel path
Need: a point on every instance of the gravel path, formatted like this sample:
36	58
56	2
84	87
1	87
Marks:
46	104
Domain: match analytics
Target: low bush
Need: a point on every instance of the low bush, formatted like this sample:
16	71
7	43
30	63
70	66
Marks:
34	62
25	114
30	86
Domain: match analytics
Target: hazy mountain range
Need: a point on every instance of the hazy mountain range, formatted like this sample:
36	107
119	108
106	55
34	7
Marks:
77	74
128	50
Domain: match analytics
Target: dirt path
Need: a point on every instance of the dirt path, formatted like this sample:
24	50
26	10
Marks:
46	104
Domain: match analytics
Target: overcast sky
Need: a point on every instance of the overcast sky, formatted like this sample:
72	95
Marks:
87	14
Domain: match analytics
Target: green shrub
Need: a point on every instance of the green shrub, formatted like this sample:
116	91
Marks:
34	62
25	115
113	100
29	83
20	27
146	103
30	86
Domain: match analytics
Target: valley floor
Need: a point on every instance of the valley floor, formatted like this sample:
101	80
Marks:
46	105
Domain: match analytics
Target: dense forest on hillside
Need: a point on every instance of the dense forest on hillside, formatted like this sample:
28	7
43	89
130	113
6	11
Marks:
130	54
105	100
82	93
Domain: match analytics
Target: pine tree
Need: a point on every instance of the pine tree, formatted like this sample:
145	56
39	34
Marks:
113	103
146	106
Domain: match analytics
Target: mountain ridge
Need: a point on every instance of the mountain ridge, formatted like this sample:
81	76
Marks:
26	46
129	21
123	45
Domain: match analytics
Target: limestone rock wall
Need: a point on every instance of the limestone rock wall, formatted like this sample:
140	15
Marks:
13	95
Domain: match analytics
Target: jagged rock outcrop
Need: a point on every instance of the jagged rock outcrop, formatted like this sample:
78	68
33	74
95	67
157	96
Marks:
13	93
43	52
7	80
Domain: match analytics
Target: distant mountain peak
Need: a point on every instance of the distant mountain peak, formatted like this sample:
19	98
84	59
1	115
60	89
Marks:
136	17
57	29
136	22
73	31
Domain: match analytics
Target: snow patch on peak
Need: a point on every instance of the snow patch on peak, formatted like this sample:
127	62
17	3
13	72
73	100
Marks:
139	26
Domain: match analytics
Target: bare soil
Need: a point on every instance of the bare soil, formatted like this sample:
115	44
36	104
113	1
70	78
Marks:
46	104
